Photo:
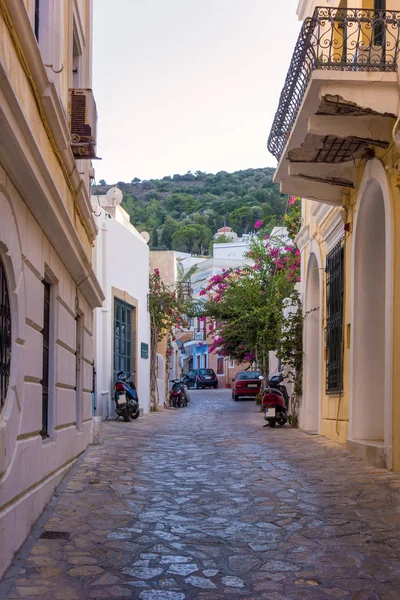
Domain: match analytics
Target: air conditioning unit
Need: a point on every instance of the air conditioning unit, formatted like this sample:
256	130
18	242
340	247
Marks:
82	123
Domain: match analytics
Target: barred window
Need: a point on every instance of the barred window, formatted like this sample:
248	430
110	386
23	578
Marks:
46	359
334	321
5	336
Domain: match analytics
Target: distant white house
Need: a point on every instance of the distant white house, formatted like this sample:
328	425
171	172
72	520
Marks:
237	249
122	325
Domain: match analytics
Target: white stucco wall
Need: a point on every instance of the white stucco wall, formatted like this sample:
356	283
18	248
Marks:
231	250
121	262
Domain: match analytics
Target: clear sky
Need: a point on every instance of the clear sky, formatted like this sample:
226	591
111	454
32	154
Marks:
188	84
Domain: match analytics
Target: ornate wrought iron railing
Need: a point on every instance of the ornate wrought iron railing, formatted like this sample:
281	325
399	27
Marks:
342	39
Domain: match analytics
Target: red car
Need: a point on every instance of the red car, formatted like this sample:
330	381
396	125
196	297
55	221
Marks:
246	383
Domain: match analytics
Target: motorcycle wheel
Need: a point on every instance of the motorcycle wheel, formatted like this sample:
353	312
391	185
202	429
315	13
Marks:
125	414
272	422
282	422
135	415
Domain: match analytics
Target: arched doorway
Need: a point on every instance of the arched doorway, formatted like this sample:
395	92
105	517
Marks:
312	350
370	399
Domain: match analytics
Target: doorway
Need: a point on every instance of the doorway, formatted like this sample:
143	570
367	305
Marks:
312	349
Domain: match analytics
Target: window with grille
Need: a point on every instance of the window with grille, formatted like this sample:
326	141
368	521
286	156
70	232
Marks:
5	336
334	320
46	360
78	370
122	337
37	19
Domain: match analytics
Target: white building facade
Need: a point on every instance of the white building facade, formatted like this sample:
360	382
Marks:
122	325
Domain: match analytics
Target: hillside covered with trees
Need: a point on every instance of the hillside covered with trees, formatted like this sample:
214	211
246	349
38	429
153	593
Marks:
183	212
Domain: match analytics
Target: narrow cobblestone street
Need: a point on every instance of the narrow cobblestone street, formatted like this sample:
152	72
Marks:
205	503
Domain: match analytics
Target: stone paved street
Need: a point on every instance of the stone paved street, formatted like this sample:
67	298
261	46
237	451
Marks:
205	503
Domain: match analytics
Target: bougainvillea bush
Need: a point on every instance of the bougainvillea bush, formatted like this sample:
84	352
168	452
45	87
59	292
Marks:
292	218
245	305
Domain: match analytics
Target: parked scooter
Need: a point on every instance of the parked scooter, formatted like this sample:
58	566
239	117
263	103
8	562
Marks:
126	397
178	396
275	381
274	401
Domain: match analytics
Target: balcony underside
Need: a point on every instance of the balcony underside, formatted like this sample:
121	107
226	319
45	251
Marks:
344	117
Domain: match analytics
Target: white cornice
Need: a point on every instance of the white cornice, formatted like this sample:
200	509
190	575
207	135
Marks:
332	231
320	211
303	237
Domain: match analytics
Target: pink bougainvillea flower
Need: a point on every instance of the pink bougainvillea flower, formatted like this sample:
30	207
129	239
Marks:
202	293
292	200
258	224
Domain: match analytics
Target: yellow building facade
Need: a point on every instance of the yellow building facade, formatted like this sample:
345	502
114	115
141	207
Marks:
335	136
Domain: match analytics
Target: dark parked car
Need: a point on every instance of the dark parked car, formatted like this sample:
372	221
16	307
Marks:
201	378
246	383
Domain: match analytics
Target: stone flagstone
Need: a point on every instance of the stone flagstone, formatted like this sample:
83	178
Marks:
204	503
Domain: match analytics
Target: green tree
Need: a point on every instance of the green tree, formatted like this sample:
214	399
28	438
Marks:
221	239
192	238
154	238
241	220
204	199
168	229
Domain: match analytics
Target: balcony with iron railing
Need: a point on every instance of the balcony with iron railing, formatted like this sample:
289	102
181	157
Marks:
328	111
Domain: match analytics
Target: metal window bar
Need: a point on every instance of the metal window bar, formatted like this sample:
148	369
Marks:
122	337
338	39
94	373
379	27
5	336
334	321
37	19
46	360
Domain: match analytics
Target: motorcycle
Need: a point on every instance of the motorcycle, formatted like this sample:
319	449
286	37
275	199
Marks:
179	395
275	401
126	397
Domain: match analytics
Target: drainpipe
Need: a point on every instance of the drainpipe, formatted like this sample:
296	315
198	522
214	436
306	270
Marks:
105	395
